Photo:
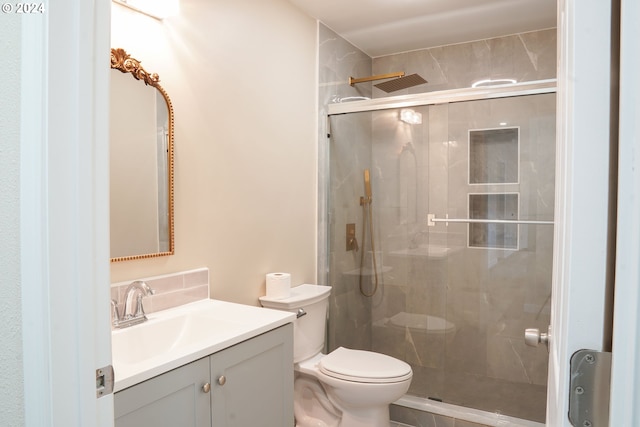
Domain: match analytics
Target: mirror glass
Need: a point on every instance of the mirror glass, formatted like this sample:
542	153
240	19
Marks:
141	162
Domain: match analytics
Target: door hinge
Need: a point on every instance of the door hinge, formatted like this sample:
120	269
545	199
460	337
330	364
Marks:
104	381
589	390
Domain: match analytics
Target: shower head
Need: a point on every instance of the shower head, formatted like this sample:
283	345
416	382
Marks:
400	81
367	184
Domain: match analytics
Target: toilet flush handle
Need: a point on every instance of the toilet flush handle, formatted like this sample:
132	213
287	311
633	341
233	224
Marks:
300	313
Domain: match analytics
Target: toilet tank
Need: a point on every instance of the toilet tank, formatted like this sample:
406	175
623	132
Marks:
309	327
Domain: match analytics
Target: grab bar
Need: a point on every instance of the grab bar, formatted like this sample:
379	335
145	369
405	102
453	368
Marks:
432	220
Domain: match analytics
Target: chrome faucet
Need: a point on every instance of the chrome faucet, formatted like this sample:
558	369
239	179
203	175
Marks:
129	317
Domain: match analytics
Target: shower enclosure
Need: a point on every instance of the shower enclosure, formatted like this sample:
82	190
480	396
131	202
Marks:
462	206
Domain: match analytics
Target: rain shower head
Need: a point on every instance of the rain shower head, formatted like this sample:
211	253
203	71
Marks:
400	81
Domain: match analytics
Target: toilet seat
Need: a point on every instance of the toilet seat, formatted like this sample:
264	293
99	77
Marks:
364	366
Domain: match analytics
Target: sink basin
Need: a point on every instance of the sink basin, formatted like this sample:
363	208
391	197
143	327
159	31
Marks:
174	337
135	344
161	334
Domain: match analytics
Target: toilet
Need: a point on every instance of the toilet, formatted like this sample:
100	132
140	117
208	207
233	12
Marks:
345	388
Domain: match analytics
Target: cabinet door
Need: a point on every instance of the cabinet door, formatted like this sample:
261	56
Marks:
169	400
252	382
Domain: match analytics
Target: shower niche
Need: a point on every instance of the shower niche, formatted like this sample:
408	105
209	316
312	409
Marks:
494	156
493	206
494	160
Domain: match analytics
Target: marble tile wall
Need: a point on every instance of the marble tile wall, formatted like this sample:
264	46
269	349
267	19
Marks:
171	290
485	298
338	61
522	57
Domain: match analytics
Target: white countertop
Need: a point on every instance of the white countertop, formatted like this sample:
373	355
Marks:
177	336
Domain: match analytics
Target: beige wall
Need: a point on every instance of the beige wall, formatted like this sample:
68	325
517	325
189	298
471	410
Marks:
241	77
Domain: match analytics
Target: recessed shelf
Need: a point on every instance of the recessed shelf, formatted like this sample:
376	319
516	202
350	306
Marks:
502	206
494	156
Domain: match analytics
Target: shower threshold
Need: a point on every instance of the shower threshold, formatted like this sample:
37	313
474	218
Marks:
484	418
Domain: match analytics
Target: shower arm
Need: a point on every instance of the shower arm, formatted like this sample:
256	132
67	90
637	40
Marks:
353	81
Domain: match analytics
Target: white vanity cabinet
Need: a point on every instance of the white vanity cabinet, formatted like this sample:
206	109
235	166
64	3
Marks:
247	384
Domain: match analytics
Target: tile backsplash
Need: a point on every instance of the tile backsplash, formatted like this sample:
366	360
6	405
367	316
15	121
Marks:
171	290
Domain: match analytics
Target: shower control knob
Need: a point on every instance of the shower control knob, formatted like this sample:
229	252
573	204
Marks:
533	337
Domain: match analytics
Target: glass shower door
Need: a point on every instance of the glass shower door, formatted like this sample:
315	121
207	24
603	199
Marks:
501	167
452	299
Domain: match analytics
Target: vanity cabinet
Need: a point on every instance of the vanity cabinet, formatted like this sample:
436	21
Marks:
175	398
247	384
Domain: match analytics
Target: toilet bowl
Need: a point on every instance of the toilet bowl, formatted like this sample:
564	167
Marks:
311	406
345	388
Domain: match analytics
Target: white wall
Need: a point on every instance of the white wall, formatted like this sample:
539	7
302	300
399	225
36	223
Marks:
241	76
11	377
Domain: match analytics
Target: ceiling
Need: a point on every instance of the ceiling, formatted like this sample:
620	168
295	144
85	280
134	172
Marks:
383	27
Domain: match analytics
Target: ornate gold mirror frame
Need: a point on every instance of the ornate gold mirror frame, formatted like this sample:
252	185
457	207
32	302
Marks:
122	61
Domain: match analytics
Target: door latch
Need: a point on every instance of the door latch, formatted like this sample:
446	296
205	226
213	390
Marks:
105	380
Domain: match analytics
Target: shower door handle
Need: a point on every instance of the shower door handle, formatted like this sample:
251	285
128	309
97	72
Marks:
533	337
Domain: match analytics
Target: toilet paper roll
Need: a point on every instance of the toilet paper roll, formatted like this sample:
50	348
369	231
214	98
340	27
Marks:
278	285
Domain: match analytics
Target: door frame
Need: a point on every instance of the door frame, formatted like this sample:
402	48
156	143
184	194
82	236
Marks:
624	409
585	214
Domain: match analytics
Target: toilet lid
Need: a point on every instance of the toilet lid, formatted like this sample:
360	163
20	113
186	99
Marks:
364	366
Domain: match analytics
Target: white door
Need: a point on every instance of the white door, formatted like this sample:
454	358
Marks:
64	218
582	235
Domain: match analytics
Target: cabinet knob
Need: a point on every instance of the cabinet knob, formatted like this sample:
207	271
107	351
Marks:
206	387
222	380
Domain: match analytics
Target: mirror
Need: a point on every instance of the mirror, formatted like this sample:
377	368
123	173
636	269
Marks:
141	162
